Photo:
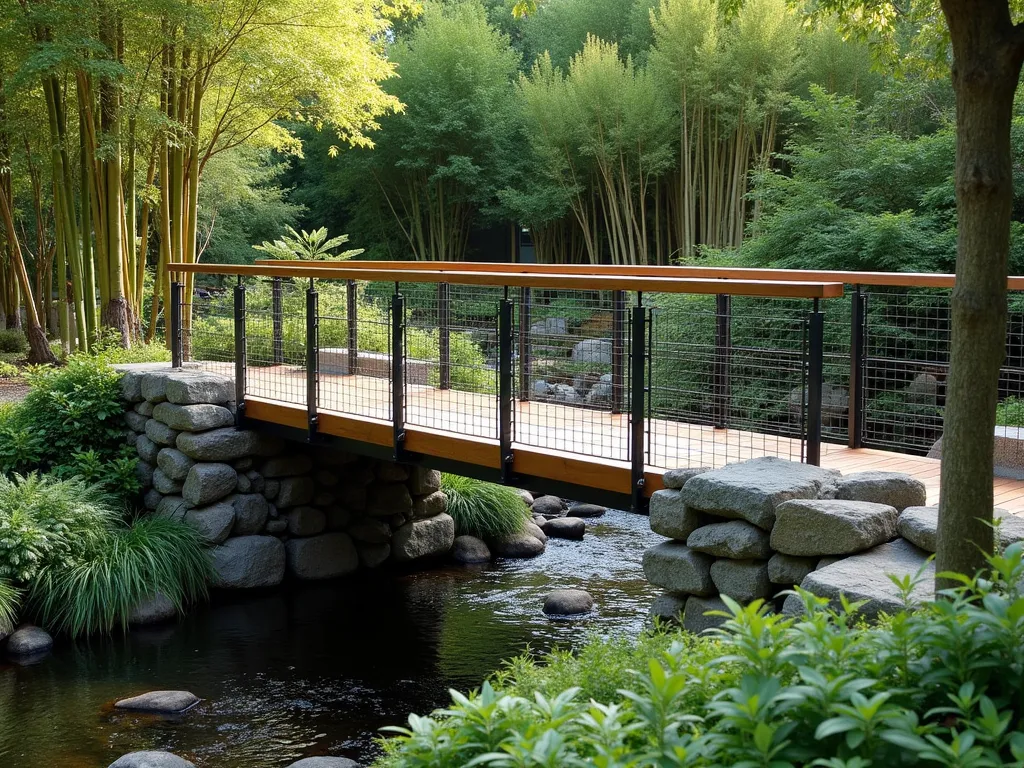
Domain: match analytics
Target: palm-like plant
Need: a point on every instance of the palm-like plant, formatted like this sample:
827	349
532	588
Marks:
308	246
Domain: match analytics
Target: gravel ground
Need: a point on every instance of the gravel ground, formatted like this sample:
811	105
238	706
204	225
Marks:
11	391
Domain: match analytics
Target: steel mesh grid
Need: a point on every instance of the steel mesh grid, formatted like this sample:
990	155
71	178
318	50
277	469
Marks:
275	340
572	361
208	328
360	383
728	379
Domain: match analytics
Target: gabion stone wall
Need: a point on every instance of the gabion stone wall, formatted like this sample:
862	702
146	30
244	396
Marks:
270	506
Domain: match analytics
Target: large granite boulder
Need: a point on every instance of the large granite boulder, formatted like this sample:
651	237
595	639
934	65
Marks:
197	387
213	522
866	577
295	492
154	609
742	580
423	482
148	450
518	545
670	516
675	479
695	617
423	538
207	483
160	433
593	351
470	550
151	759
752	490
322	557
808	527
29	641
193	418
286	466
565	528
247	562
736	539
675	567
919	525
305	521
788	570
668	607
427	506
173	463
224	444
896	489
251	513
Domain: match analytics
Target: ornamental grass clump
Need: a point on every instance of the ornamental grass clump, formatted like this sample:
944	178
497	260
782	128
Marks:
484	510
936	684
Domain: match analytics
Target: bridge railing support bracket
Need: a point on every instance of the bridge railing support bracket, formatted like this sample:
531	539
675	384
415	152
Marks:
638	347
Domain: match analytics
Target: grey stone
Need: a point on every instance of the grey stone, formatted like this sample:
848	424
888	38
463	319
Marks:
251	513
550	326
172	507
276	527
154	386
243	484
271	488
160	433
29	641
152	499
541	388
155	609
423	538
825	562
373	555
470	549
668	607
670	517
428	506
549	506
195	387
565	528
193	418
568	602
294	492
174	463
145	408
131	386
331	457
397	521
147	449
896	489
168	702
326	477
602	391
695	618
224	444
423	482
207	483
595	351
517	545
165	485
247	562
866	577
370	530
742	580
586	510
923	389
338	518
213	523
151	759
788	570
287	466
675	479
675	567
736	539
242	464
305	521
919	525
322	557
835	402
537	530
751	490
256	481
144	474
564	393
390	472
135	421
325	762
388	499
808	527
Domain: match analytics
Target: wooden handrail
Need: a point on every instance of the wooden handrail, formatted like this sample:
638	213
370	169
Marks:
896	279
579	282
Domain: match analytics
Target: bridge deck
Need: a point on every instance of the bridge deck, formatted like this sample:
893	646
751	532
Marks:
553	441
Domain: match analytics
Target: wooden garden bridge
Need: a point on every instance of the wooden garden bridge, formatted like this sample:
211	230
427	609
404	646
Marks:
587	381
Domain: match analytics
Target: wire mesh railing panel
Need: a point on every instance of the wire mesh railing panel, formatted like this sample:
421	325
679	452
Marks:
451	344
355	352
275	340
572	359
728	379
208	329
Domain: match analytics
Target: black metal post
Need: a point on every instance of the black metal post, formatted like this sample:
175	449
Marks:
353	326
505	394
174	320
444	315
240	353
815	379
398	371
312	358
277	310
723	359
618	349
638	391
525	342
858	365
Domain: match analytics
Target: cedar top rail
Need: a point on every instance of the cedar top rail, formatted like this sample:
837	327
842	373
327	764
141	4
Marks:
468	275
898	279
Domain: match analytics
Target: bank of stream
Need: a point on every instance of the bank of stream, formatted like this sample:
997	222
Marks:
316	669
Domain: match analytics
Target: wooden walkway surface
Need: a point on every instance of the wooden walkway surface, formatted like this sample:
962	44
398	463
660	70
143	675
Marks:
552	440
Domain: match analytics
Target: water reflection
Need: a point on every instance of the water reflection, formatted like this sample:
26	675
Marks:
314	669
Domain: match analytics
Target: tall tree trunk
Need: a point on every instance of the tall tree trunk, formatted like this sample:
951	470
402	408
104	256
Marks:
987	55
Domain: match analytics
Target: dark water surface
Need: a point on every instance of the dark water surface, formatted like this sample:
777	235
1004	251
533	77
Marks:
315	669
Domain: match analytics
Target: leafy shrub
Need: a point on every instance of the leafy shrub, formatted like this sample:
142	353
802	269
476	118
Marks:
939	685
117	476
106	347
13	340
9	600
1010	412
132	562
483	509
8	370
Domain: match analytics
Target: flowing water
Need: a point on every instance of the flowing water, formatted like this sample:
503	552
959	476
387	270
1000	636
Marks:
316	669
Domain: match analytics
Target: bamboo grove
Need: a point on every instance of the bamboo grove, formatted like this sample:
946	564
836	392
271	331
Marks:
111	110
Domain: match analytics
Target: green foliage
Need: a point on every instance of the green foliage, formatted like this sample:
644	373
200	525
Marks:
130	563
116	475
484	510
308	246
10	599
937	685
12	340
8	370
106	348
1010	412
